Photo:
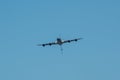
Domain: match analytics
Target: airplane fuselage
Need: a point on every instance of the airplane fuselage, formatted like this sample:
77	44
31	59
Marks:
59	41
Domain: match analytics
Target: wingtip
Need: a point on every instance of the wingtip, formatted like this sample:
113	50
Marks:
38	45
80	38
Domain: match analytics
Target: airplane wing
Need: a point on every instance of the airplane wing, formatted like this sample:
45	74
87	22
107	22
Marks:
46	44
68	41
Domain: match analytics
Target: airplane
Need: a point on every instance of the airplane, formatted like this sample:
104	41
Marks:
59	41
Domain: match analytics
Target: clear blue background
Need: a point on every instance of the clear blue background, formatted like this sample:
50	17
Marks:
25	23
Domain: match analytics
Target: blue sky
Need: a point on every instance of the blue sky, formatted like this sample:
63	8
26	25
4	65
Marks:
25	23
